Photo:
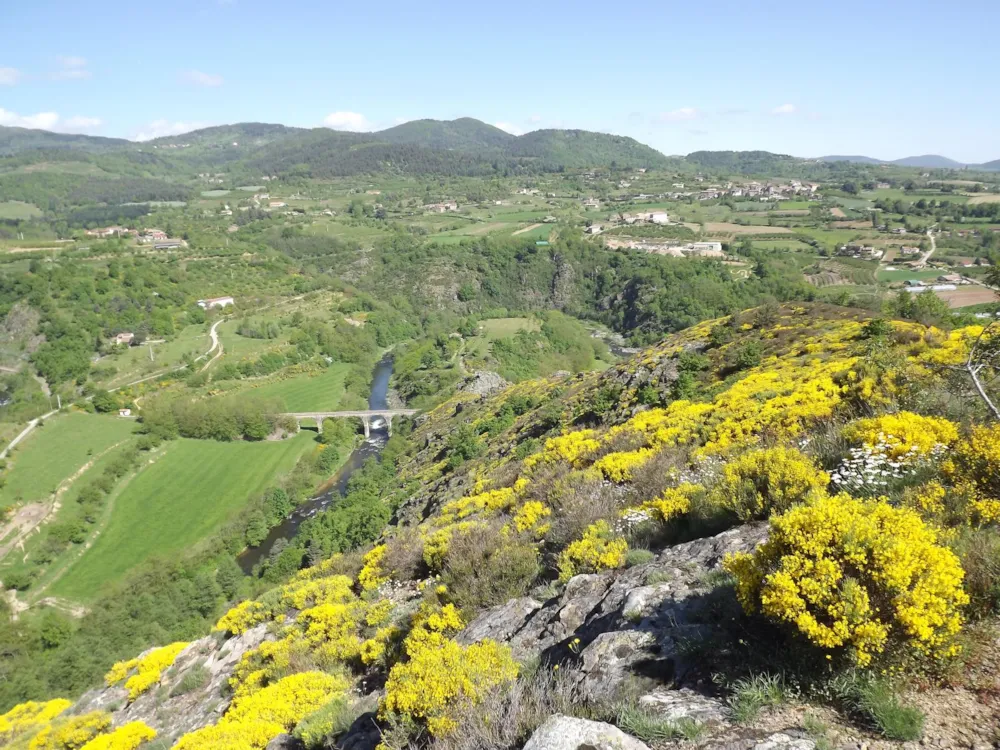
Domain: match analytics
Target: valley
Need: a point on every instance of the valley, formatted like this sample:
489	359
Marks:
611	374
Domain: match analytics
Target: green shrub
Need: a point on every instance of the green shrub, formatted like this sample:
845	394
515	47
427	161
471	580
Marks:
194	679
638	557
484	567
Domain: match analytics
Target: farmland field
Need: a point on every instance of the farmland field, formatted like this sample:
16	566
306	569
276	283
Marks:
56	450
891	276
968	296
796	245
134	362
319	390
722	227
195	487
17	210
977	199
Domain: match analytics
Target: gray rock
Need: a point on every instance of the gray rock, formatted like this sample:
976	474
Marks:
500	623
167	710
283	742
608	660
483	383
781	741
567	733
675	705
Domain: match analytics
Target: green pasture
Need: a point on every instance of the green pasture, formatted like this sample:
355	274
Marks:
189	492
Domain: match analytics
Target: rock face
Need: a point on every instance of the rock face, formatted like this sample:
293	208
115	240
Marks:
191	693
619	625
483	383
567	733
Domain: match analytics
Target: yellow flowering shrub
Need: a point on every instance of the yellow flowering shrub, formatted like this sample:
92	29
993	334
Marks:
618	466
573	448
531	517
599	549
855	574
976	460
903	432
674	502
300	594
29	715
436	543
441	679
255	719
374	650
491	502
126	737
371	575
332	629
148	669
241	618
70	733
765	480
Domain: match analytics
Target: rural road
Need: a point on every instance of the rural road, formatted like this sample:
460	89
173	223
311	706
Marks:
927	256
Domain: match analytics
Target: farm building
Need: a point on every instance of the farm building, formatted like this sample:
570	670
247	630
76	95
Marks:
208	304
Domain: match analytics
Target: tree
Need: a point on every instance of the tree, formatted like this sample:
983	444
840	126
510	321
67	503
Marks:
105	402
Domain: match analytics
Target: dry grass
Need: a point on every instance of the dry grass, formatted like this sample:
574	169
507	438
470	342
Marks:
722	227
964	297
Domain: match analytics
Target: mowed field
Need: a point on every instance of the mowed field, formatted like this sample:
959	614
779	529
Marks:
969	295
976	199
194	488
17	210
320	390
57	450
723	227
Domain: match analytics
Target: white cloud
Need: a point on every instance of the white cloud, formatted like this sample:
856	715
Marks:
164	128
347	121
50	121
9	76
198	78
81	124
512	129
785	109
41	120
679	115
71	68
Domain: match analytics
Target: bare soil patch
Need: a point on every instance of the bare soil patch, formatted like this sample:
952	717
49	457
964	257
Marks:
970	295
722	227
526	229
838	212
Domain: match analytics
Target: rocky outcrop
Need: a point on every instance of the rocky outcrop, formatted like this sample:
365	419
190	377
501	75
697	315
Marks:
623	625
568	733
483	383
192	693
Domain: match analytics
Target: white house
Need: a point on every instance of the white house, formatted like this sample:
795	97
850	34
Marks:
208	304
659	217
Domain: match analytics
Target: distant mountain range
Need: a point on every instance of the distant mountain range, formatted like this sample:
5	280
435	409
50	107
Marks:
464	146
927	161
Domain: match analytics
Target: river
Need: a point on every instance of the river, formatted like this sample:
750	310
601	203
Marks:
337	487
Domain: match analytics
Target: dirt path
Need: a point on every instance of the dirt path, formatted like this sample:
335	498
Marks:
216	344
31	516
527	229
99	527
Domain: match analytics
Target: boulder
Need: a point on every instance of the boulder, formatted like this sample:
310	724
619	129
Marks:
567	733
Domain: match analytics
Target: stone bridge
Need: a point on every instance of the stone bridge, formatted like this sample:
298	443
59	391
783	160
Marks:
366	417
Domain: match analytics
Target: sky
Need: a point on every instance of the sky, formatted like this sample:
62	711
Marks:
885	79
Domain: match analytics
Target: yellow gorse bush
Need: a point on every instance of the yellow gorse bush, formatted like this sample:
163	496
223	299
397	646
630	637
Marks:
70	733
765	480
618	467
127	737
241	618
147	669
599	549
855	574
674	502
371	576
255	719
903	432
531	517
30	715
440	679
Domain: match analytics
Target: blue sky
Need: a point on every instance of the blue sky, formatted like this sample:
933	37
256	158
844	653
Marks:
885	78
